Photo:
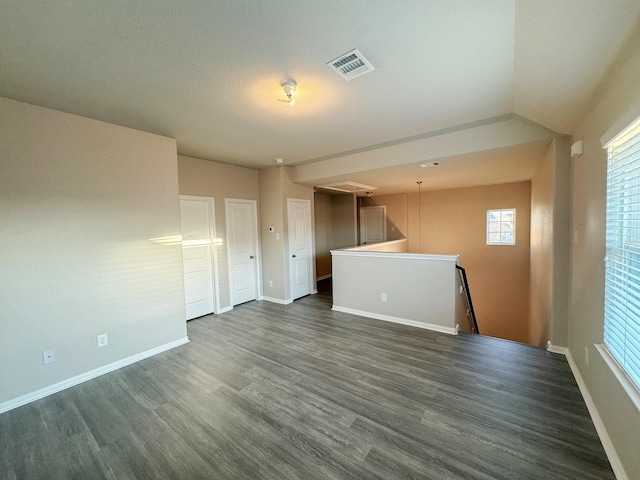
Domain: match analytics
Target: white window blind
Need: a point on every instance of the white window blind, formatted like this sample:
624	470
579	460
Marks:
622	273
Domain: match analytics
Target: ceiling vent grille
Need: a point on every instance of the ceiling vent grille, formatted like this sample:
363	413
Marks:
351	65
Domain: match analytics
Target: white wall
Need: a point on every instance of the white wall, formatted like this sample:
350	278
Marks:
80	204
618	99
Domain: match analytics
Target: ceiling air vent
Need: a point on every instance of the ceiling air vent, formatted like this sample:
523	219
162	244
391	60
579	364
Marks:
351	65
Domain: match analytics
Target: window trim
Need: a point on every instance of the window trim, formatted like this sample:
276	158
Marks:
629	385
490	243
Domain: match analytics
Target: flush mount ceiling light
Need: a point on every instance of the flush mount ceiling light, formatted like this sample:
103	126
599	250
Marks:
432	164
288	88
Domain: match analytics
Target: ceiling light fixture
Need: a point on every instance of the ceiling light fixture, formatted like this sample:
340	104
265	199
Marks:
289	88
432	164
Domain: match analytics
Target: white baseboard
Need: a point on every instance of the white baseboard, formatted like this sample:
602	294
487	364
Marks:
402	321
607	444
323	277
555	349
83	377
277	300
224	310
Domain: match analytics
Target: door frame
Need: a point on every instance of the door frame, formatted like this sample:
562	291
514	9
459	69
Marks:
256	246
214	251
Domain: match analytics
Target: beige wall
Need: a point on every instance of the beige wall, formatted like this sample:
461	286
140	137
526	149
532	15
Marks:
425	298
324	234
345	224
541	255
275	187
454	222
396	207
272	243
81	202
618	100
220	181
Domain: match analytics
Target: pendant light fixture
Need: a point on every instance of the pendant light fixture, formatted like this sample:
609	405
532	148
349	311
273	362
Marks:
419	182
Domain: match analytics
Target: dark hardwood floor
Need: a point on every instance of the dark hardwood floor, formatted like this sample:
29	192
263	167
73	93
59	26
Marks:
299	391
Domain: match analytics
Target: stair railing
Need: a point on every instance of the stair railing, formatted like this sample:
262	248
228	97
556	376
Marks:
467	296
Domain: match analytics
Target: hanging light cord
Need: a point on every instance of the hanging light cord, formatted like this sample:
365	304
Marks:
419	182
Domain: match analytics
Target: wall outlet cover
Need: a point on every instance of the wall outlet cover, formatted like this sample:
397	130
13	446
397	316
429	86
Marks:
49	356
103	340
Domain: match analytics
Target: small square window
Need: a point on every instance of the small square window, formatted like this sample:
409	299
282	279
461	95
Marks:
501	227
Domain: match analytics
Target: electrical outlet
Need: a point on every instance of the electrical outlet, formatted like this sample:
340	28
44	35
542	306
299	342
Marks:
49	356
103	341
383	297
271	283
586	355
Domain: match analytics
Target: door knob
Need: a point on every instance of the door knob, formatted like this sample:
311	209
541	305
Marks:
293	256
251	257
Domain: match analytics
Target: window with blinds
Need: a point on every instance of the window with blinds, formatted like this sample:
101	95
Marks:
622	271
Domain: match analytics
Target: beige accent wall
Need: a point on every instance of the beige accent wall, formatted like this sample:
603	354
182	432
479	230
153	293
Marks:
454	222
617	100
90	245
324	234
220	181
396	206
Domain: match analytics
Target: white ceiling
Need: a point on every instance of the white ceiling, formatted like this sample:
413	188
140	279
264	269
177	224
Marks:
209	73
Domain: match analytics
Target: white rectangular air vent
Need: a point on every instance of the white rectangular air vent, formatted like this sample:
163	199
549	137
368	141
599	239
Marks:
348	187
351	65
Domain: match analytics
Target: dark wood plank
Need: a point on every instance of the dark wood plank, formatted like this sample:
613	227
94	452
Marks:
299	391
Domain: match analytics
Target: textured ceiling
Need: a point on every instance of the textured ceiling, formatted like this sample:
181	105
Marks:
209	73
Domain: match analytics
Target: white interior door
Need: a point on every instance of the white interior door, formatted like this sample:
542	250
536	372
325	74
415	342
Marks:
300	247
373	224
196	218
242	246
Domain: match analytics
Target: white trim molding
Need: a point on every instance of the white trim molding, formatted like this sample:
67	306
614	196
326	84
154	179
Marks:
277	300
83	377
556	349
607	444
402	321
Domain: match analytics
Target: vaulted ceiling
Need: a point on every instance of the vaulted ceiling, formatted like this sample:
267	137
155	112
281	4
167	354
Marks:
208	73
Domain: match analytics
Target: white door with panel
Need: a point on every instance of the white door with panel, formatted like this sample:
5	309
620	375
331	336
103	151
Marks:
196	219
300	247
373	224
242	247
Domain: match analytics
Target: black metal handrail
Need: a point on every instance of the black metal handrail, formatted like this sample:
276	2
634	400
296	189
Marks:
467	295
